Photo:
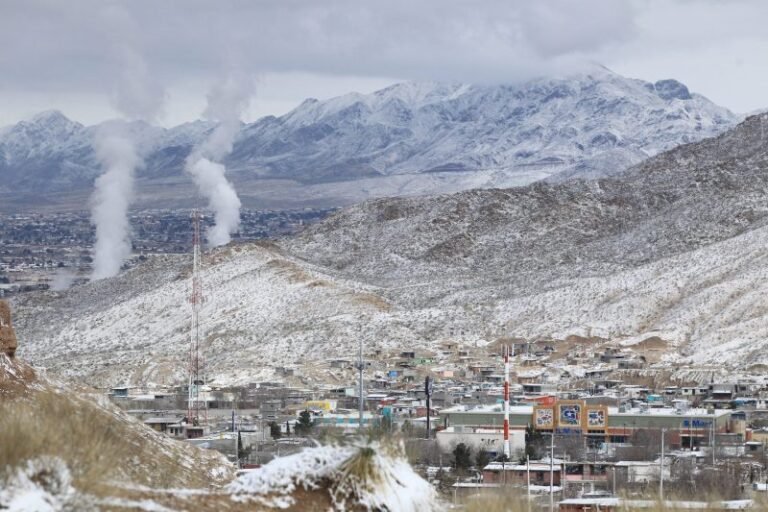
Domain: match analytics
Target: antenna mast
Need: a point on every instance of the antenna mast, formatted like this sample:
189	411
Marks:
505	354
195	404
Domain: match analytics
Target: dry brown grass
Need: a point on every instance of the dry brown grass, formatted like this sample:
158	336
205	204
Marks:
373	300
99	445
49	423
291	271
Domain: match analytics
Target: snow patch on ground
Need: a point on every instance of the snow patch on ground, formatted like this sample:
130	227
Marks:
42	485
391	483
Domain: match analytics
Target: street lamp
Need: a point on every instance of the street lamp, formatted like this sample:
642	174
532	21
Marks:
661	466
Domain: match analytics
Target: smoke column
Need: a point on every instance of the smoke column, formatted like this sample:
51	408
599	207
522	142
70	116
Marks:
226	102
138	97
111	199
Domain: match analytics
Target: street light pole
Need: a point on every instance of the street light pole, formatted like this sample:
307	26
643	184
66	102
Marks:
528	476
661	465
552	473
428	393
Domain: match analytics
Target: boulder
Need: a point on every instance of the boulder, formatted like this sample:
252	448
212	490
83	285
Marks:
8	342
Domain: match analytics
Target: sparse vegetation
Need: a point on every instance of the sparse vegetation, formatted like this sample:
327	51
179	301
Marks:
305	425
482	458
274	430
462	457
98	445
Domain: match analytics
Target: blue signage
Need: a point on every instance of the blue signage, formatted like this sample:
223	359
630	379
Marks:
696	423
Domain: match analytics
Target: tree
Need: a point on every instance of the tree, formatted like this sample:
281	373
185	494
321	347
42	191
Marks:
462	457
381	428
645	444
242	451
482	458
305	424
534	442
274	430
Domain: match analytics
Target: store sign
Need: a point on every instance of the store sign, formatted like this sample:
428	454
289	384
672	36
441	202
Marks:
543	418
596	419
696	423
570	415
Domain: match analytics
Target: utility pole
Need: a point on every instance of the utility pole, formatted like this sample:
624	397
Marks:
552	472
428	392
528	477
661	466
360	367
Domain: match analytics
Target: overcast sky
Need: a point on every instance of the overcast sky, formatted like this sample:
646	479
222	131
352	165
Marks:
70	55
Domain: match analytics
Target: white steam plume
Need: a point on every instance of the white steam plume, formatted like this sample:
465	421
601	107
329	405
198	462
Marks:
111	199
226	103
138	97
62	280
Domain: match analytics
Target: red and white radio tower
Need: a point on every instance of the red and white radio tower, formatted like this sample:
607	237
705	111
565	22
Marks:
197	408
505	352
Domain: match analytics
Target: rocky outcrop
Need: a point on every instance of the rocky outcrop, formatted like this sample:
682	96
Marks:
8	342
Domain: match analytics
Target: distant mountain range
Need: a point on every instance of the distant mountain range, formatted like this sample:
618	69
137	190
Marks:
407	139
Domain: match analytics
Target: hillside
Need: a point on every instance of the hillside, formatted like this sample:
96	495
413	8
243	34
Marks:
263	308
44	464
671	248
66	447
408	139
680	200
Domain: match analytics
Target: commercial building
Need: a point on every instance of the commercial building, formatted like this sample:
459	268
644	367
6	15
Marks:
686	427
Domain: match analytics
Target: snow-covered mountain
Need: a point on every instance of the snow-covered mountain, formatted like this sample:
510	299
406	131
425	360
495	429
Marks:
673	248
407	139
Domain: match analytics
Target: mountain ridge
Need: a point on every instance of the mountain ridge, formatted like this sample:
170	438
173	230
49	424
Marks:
407	139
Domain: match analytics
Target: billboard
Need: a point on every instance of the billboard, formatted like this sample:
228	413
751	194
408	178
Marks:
569	415
597	418
543	417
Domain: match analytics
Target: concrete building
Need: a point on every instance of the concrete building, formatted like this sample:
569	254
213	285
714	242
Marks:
685	427
488	439
518	474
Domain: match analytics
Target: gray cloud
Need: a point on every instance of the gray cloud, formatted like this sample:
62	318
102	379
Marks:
68	46
446	39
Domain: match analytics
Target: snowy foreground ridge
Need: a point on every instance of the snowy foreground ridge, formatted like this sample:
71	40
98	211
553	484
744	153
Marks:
362	477
366	476
43	485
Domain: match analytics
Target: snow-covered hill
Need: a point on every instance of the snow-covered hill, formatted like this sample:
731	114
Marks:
673	248
263	309
408	139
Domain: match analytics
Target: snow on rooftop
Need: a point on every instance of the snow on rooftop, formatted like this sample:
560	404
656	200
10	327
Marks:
668	411
603	502
534	466
490	408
